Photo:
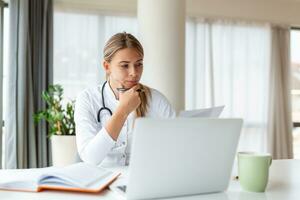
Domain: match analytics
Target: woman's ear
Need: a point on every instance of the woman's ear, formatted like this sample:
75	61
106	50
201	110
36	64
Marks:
106	66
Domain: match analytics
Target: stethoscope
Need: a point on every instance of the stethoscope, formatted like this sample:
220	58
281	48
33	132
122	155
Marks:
103	108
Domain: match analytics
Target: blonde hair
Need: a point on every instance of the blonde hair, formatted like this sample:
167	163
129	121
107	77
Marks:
121	41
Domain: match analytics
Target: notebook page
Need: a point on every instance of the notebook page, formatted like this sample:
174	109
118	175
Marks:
80	175
21	179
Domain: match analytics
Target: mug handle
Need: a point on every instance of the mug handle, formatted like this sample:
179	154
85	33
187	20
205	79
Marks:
270	161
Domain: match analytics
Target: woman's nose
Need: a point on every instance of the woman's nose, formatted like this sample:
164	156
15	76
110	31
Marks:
133	71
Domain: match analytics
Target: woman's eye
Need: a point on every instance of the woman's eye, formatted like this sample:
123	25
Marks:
139	65
124	66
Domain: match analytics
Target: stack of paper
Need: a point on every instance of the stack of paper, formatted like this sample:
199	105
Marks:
206	112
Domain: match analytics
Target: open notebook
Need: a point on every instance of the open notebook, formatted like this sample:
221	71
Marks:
79	177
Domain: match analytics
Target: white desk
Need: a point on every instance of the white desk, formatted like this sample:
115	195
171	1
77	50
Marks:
284	184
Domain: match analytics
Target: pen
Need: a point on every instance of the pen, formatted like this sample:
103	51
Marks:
122	89
125	89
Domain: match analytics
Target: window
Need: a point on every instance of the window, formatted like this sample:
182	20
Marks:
295	64
227	63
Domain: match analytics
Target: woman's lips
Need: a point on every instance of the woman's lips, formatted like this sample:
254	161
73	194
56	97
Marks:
132	82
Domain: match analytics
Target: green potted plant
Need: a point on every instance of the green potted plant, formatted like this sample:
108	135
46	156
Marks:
61	125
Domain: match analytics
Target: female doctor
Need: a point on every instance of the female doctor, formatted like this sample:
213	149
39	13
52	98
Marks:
104	115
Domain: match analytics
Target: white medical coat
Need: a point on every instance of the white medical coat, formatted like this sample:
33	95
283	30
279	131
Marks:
94	144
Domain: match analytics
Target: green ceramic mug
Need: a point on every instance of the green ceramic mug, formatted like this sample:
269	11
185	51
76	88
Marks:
254	170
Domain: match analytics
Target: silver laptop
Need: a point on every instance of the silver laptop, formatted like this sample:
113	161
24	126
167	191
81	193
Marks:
181	156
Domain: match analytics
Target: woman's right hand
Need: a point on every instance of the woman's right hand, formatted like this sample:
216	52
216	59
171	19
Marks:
129	100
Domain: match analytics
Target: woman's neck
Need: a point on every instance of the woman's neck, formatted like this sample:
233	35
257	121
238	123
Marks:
113	87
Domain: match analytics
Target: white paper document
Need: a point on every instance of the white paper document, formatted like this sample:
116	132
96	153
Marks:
213	112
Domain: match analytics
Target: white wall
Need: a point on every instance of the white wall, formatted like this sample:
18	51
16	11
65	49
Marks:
276	11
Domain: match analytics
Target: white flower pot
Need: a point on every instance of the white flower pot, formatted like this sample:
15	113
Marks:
64	150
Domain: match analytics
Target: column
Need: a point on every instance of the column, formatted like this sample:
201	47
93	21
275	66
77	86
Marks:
162	34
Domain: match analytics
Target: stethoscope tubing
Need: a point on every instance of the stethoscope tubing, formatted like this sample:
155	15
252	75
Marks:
103	108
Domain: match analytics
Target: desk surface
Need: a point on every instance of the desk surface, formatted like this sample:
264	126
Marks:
284	183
